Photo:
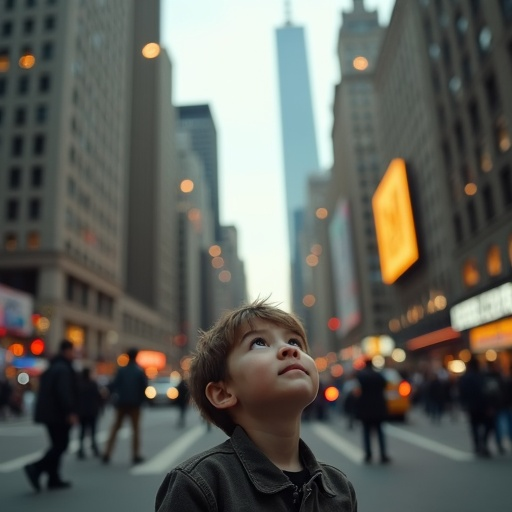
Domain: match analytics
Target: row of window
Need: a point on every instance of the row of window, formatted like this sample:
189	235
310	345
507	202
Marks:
493	265
21	115
488	204
24	84
18	144
12	241
15	177
79	292
28	26
9	5
13	209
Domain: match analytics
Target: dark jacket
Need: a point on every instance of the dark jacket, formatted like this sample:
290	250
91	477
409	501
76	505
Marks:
90	400
57	396
236	476
471	392
371	404
129	386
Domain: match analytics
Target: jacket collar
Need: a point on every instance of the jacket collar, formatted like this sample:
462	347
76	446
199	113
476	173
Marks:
264	474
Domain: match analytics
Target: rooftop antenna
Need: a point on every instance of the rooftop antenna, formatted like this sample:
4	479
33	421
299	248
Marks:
287	12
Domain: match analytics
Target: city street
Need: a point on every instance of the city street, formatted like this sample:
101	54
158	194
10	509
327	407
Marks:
432	467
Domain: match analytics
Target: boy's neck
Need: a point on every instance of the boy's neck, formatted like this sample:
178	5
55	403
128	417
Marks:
280	443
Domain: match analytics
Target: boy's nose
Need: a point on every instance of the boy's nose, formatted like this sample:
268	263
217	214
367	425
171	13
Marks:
288	351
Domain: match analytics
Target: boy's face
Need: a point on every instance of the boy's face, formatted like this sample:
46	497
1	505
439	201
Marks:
269	367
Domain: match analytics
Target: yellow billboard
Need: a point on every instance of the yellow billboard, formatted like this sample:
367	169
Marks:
394	223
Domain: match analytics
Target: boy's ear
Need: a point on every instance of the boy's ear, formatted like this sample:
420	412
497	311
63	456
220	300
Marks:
219	395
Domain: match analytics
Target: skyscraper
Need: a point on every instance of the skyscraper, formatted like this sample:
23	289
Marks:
197	120
298	138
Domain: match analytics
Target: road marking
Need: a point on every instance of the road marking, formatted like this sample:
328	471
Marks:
19	462
166	459
343	446
428	444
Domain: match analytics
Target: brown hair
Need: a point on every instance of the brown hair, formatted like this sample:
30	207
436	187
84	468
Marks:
210	358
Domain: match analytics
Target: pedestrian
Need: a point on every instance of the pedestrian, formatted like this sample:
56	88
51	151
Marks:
494	391
372	409
5	396
90	402
252	376
474	402
128	388
182	401
56	409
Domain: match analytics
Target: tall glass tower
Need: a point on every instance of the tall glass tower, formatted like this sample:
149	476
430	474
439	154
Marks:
298	137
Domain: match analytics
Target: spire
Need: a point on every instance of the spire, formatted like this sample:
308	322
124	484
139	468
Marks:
359	6
287	12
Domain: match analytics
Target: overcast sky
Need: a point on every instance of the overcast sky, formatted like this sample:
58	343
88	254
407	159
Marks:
224	54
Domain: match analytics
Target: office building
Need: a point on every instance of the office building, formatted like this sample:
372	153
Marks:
361	300
300	154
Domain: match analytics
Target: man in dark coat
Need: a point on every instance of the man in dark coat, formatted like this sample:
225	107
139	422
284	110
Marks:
56	409
129	388
371	409
473	399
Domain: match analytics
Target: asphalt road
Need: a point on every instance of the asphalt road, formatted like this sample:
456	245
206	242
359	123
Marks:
432	467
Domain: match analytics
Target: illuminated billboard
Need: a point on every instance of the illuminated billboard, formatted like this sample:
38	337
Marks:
394	223
16	310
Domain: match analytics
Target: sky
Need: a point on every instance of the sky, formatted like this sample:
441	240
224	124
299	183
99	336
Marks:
223	53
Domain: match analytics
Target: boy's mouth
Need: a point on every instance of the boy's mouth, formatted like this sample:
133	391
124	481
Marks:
294	367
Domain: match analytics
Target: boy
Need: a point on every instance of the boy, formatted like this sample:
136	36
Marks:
252	377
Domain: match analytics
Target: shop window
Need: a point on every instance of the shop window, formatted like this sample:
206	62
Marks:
33	240
494	265
470	273
502	135
10	242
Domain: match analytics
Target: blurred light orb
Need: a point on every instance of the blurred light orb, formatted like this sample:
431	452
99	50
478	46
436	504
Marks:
23	378
321	213
378	361
27	61
215	251
491	355
309	300
398	355
151	50
225	276
456	366
360	63
186	186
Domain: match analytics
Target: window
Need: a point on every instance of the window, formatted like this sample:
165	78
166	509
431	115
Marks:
3	86
47	50
488	202
473	226
28	26
506	185
470	273
458	228
23	84
36	177
506	9
44	83
41	114
14	178
17	146
12	209
39	144
9	4
494	265
10	241
49	23
503	142
6	28
33	240
20	116
34	209
491	90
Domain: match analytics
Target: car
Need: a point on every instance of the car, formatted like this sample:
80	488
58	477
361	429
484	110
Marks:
162	390
398	394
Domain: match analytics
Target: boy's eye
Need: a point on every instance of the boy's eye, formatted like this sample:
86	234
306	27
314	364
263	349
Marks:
296	341
258	342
